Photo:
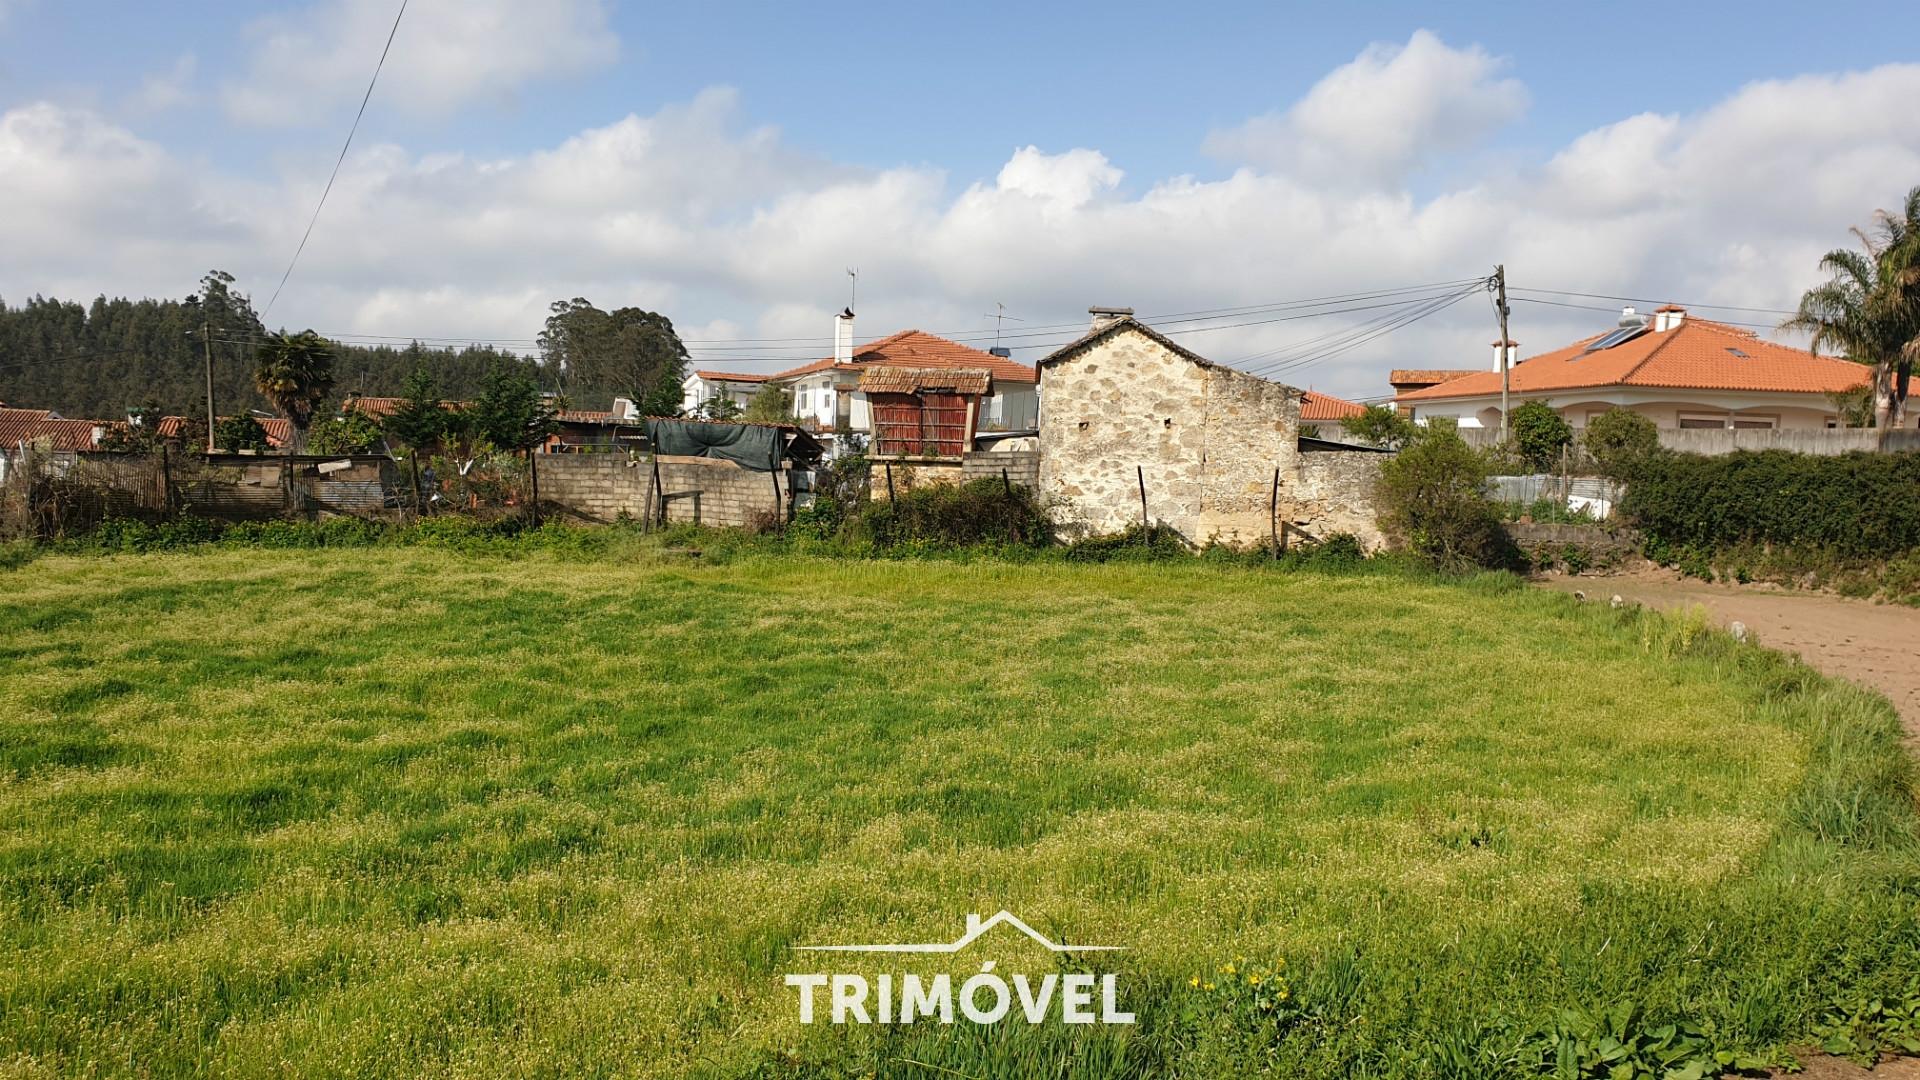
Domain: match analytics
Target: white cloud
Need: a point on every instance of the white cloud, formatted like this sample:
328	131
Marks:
169	89
731	229
1382	115
446	54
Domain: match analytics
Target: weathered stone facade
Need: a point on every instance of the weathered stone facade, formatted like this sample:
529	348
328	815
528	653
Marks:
1125	408
1334	493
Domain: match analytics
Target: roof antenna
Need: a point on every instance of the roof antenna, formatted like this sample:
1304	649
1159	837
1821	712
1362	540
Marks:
999	316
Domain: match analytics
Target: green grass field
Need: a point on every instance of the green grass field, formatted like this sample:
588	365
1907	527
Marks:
402	811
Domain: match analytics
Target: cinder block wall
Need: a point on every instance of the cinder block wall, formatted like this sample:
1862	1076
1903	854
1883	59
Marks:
601	487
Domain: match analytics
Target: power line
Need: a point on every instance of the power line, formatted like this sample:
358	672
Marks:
1591	307
324	192
1647	300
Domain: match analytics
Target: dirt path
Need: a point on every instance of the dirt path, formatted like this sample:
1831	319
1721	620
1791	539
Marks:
1875	645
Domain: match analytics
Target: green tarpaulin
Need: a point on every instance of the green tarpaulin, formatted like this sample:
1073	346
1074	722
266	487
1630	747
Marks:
751	445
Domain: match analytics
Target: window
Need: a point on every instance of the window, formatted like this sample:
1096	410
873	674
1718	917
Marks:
1702	420
800	402
1754	423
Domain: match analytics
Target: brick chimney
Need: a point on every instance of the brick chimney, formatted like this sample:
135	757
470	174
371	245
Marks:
843	337
1106	316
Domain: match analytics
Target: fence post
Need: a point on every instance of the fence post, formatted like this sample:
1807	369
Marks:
1273	514
166	482
1140	474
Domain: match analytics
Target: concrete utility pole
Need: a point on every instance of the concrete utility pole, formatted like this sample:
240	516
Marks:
206	346
1500	303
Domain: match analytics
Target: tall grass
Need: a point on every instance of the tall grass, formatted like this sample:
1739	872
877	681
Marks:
396	809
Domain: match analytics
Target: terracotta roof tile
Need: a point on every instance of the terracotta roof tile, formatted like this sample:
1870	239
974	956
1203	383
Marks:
919	349
1316	406
889	379
1696	355
1428	376
732	376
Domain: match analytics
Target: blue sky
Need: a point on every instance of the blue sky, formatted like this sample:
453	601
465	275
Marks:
724	162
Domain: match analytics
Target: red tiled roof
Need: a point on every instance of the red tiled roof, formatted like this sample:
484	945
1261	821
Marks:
732	376
919	349
1696	355
279	429
1317	406
30	425
378	407
1427	376
20	425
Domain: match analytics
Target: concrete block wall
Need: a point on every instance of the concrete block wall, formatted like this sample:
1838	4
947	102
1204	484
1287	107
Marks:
602	487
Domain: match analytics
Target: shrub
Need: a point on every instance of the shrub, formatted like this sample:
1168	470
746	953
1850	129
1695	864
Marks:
1858	505
1539	434
980	512
1619	441
1135	543
1433	501
1380	425
355	433
240	433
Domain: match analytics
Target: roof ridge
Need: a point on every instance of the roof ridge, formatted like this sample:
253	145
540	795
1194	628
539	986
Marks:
1667	337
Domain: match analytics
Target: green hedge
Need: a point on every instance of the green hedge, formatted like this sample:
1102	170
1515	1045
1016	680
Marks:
1860	505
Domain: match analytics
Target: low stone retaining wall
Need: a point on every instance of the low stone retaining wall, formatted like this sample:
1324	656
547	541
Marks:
1574	546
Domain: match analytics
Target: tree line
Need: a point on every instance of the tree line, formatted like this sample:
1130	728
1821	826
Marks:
114	356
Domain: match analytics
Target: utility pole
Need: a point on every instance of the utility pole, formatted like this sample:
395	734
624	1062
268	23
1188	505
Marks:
206	347
1500	304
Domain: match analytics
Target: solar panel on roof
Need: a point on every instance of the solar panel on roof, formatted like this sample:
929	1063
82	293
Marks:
1615	337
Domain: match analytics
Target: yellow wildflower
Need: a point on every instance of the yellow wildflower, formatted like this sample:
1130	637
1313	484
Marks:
1195	981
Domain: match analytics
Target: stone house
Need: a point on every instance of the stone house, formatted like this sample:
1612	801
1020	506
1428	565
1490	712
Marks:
1128	414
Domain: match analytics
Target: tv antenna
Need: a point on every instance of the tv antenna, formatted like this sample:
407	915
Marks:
999	315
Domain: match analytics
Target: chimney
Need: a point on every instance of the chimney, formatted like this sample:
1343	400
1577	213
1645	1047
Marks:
843	337
1668	316
1512	353
1104	317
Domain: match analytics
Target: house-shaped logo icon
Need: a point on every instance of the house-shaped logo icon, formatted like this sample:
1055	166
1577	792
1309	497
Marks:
976	927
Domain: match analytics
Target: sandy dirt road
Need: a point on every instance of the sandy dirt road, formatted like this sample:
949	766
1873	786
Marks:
1875	645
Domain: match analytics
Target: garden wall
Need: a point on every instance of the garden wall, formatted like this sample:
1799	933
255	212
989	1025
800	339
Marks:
1715	441
1333	492
602	487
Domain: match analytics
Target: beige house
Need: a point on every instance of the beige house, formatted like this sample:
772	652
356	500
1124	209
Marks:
1127	415
1678	371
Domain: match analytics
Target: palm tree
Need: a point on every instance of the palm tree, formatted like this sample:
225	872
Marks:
294	372
1869	311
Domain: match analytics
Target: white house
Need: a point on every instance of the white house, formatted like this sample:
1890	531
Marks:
701	387
1678	371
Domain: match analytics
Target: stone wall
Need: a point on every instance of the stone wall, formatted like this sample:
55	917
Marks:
1334	493
602	487
1205	441
1022	467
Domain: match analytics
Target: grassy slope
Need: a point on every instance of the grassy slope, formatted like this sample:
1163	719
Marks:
400	810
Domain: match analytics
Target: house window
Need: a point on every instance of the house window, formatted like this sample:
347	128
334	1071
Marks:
1703	420
1754	423
801	402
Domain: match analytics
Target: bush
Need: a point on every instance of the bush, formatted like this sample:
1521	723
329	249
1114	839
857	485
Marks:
355	433
1433	501
1539	434
981	512
1135	543
1858	505
240	433
1380	425
1619	441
